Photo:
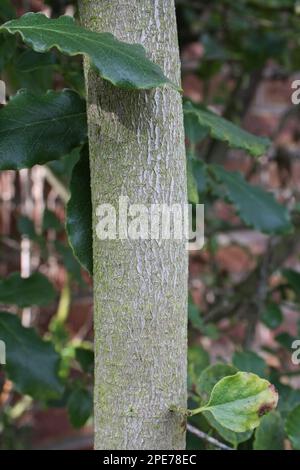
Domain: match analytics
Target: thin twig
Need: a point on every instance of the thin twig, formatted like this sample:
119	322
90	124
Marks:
206	437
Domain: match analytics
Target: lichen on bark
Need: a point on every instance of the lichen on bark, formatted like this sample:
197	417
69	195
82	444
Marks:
140	287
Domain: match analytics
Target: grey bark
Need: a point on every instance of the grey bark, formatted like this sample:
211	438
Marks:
140	287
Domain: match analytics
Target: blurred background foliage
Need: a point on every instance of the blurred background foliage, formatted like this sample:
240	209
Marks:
238	60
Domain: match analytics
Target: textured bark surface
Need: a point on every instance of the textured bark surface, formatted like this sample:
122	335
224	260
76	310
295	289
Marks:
137	150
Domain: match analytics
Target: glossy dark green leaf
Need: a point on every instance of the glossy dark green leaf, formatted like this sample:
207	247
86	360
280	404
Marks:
79	213
85	357
80	407
31	363
270	433
255	206
35	129
272	316
24	292
221	129
293	278
124	65
292	427
249	361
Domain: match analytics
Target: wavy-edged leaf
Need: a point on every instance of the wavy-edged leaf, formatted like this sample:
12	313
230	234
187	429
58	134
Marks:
221	129
270	433
256	207
35	129
24	292
124	65
292	427
238	401
31	363
79	212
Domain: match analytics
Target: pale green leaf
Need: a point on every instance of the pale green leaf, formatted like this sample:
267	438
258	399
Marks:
238	402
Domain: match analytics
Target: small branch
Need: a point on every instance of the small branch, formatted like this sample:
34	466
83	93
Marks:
202	435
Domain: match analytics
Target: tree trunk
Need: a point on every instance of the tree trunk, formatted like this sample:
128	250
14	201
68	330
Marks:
140	287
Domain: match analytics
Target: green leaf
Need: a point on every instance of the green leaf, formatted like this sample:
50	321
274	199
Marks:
85	357
249	361
194	314
289	398
239	401
206	382
71	263
194	132
79	213
35	129
124	65
198	359
80	407
292	427
198	169
30	60
270	433
24	292
235	438
7	11
26	227
51	221
32	363
256	207
221	129
293	278
285	339
7	49
272	316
